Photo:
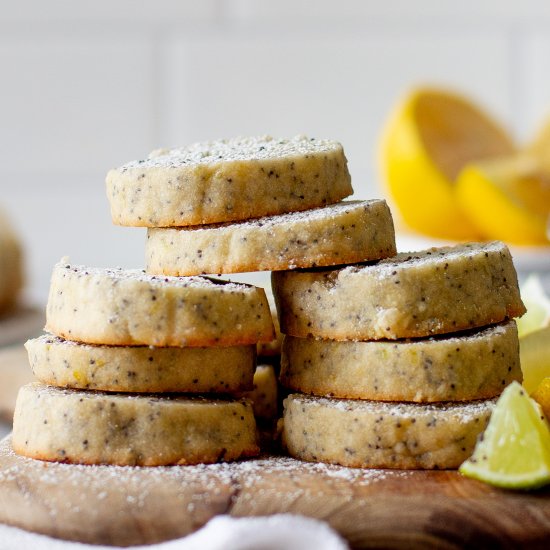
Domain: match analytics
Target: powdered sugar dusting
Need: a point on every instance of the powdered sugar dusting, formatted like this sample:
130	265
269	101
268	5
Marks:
211	477
167	399
236	149
301	217
463	410
119	274
435	256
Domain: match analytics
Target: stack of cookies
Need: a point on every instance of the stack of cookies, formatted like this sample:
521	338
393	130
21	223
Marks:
124	347
246	205
398	362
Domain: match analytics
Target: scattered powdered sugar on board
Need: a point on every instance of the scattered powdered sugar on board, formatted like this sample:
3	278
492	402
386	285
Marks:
104	478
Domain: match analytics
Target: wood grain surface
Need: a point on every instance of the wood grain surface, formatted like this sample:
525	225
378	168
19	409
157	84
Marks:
370	508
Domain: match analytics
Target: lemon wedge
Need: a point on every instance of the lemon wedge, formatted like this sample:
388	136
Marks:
538	306
428	139
542	396
534	333
534	351
507	198
514	451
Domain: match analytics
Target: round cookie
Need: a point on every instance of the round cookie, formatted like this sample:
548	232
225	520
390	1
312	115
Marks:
228	180
64	363
11	262
343	233
83	427
374	434
264	395
128	307
415	294
462	367
270	351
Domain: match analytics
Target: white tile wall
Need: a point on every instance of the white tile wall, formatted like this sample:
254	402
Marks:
73	105
88	86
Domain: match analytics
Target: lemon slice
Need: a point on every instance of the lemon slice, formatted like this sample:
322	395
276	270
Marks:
431	135
542	396
514	451
534	351
507	198
538	306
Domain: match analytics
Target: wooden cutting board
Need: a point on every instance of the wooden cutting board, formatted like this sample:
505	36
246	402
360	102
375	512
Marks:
370	508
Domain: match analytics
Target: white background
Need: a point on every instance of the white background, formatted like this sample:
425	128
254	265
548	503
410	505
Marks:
87	86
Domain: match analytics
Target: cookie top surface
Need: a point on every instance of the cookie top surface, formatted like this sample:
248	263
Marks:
401	409
118	274
405	261
234	150
301	217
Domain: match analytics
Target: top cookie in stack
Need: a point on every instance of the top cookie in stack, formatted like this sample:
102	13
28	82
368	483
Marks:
228	180
249	204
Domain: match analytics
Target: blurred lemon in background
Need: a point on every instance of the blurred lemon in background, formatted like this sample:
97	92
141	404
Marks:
454	173
429	138
506	198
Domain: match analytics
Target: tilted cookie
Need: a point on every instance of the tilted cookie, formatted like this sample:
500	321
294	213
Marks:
228	180
342	233
128	307
435	291
270	351
467	366
64	363
84	427
374	434
11	265
264	395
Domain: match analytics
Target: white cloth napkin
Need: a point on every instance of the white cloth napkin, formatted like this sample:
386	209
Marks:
278	532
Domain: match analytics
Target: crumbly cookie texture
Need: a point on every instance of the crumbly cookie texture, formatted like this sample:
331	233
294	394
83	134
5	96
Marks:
469	366
415	294
68	364
347	232
128	307
82	427
264	395
11	265
372	434
228	180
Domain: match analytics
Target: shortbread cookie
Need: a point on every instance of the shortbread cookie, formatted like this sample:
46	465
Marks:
271	350
228	180
64	363
264	395
373	434
435	291
347	232
128	307
100	428
11	265
469	366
